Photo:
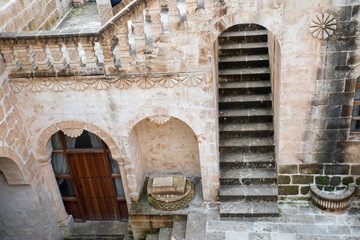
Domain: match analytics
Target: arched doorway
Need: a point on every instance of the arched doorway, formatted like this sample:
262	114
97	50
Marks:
89	179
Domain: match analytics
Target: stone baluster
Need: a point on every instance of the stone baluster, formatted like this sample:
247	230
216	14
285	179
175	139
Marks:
108	44
26	57
58	58
41	56
72	48
138	25
124	46
88	47
200	4
147	28
164	18
193	5
173	15
181	6
153	14
9	57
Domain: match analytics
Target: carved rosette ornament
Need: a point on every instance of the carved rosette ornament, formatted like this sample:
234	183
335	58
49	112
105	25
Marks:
159	119
72	132
323	25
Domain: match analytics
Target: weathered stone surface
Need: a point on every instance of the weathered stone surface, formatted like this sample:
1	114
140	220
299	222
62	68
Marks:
302	179
337	169
288	169
288	190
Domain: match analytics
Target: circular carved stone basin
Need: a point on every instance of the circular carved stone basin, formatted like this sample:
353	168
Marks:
332	202
172	202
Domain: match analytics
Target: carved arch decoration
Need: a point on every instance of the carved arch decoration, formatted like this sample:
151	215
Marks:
44	149
12	167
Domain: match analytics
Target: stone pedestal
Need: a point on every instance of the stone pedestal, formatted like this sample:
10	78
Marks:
78	3
104	10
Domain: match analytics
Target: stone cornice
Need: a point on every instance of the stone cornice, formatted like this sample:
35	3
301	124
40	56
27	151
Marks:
80	83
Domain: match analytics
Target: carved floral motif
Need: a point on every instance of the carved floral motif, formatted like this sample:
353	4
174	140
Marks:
17	86
168	82
159	119
191	81
323	25
35	86
57	86
145	82
72	132
101	84
79	85
122	83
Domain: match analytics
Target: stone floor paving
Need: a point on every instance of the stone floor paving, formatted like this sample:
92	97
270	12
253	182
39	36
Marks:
300	221
80	19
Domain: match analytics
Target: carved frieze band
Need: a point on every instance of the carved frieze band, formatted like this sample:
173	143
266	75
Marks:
145	82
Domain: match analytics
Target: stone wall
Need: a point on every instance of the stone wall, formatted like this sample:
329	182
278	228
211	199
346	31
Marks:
294	180
20	213
18	165
31	15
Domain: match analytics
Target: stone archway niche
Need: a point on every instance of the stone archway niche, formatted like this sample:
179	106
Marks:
171	147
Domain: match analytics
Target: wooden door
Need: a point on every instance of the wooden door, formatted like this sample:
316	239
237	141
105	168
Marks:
92	180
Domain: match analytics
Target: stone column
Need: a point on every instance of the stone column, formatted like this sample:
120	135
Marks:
124	181
104	10
66	221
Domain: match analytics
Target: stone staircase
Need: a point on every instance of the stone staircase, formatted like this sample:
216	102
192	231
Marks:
177	232
248	181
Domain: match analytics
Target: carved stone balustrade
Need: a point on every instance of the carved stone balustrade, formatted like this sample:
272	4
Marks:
109	51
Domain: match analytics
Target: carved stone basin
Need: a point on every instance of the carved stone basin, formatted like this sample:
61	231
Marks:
332	202
169	193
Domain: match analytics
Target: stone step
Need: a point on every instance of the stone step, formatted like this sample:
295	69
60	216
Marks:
244	71
247	160
246	142
248	58
254	45
245	101
152	237
165	233
178	230
234	127
248	193
249	209
245	115
245	84
238	130
245	98
243	33
247	176
246	87
244	78
245	112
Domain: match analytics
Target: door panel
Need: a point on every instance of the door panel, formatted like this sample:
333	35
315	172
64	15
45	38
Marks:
92	178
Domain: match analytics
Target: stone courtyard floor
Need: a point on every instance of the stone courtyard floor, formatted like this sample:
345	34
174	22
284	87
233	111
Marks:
300	221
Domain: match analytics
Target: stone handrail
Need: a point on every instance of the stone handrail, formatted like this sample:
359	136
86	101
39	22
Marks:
107	51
